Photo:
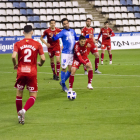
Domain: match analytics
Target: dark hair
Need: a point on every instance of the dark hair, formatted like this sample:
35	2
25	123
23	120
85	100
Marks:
28	28
52	20
82	37
64	19
88	19
105	22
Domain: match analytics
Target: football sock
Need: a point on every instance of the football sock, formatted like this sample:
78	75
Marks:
29	103
102	56
63	78
71	80
53	68
96	63
18	103
67	75
85	69
58	68
90	76
110	56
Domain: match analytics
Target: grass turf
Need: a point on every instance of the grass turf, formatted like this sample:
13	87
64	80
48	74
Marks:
109	112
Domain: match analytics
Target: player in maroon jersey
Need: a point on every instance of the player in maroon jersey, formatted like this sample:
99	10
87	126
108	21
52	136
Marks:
53	47
89	30
27	50
106	33
81	57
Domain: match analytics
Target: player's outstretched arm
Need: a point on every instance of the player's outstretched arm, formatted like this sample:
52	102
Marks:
47	44
42	60
60	35
99	35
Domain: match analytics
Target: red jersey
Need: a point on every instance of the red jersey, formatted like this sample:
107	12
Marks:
47	33
85	31
105	32
27	50
80	51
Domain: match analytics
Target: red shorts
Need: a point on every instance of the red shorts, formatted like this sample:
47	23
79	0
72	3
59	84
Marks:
106	45
29	81
53	52
93	49
77	64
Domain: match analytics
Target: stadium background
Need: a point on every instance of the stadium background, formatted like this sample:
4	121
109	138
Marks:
110	111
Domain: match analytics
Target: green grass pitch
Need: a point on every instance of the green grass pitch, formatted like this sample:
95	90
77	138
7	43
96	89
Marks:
109	112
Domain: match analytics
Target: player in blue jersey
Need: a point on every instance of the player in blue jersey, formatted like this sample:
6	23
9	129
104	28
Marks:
68	37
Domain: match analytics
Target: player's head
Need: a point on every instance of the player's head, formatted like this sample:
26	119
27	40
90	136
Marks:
65	23
82	40
88	22
52	23
28	30
106	24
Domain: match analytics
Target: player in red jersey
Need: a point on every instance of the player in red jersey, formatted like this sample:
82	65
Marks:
106	33
27	50
81	57
53	47
89	30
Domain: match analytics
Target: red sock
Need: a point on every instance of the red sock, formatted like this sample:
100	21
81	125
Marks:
102	56
90	76
29	103
18	103
58	68
71	80
85	69
53	68
96	63
110	56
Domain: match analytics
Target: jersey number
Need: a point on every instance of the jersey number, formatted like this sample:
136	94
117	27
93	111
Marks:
28	52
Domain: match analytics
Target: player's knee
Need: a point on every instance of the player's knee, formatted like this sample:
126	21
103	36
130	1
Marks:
97	55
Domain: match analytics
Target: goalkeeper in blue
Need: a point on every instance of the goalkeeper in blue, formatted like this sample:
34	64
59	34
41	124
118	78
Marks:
68	37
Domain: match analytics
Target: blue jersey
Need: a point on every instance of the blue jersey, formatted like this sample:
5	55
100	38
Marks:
68	37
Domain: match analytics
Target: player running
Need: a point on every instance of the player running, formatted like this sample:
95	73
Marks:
106	33
89	30
53	47
27	50
68	37
81	57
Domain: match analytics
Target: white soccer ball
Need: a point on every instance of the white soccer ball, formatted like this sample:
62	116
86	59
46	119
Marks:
71	95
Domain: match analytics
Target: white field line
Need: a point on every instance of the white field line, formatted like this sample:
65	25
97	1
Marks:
82	74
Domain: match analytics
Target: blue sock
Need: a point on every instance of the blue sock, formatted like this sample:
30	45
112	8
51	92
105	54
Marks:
63	78
67	75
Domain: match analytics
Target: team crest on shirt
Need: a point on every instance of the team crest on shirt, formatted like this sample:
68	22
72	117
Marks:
27	40
107	31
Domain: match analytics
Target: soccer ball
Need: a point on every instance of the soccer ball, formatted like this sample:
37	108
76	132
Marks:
71	95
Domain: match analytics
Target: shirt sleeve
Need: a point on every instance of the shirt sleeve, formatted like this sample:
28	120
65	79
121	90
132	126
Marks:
112	33
83	32
15	47
99	34
41	52
44	34
59	35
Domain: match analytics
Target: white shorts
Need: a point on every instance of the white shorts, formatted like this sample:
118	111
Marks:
66	59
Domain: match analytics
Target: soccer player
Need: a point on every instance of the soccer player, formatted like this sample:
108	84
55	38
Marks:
27	50
53	48
81	57
106	33
68	37
89	30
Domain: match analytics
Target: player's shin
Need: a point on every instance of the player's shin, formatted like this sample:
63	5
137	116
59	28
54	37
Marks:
96	63
102	56
110	57
53	68
90	76
18	103
58	68
30	102
63	78
67	75
71	80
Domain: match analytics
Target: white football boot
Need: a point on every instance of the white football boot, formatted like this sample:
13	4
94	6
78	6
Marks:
19	119
90	86
70	90
102	62
86	73
21	113
97	71
110	62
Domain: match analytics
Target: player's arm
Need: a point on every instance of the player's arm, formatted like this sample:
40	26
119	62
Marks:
99	35
14	56
111	33
42	56
77	38
41	38
60	35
